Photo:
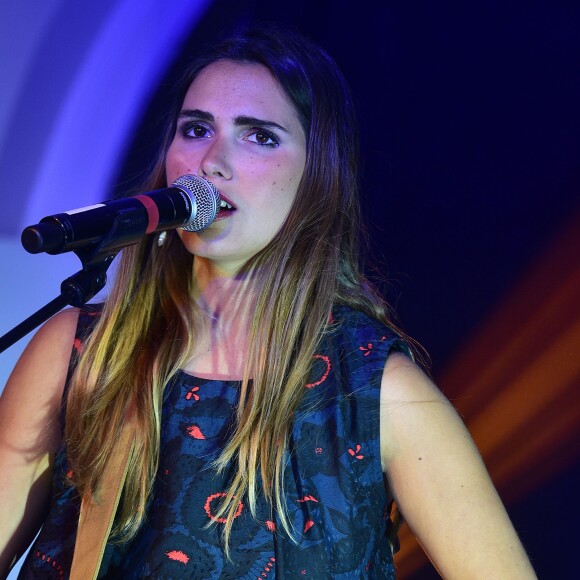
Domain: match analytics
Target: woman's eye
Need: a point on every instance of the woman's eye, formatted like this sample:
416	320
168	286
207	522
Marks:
263	137
196	131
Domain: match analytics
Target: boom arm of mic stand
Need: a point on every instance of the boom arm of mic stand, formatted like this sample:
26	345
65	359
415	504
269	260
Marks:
82	286
74	291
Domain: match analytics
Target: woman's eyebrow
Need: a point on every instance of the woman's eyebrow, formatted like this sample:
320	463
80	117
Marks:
244	121
240	120
197	114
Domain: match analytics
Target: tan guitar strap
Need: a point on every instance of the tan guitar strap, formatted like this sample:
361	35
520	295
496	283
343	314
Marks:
97	515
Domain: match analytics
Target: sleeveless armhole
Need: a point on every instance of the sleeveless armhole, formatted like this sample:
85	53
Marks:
88	316
51	553
371	343
337	499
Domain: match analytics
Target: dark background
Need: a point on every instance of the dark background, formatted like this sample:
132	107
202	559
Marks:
470	138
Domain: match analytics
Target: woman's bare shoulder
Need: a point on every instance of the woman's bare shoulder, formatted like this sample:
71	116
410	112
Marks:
34	390
30	432
51	347
439	480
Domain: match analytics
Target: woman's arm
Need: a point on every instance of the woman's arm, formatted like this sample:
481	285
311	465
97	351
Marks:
440	483
30	434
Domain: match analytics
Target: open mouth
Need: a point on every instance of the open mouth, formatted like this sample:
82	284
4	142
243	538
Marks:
225	209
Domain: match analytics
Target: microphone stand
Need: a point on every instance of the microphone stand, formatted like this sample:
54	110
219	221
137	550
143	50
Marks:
80	287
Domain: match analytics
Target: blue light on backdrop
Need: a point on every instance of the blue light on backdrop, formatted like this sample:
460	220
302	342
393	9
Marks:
75	79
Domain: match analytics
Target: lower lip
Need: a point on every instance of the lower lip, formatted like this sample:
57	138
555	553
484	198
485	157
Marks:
223	214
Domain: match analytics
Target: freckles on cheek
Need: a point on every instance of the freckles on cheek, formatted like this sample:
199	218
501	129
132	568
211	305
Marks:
179	163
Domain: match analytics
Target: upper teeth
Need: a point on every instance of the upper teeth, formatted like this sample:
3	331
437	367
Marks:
225	204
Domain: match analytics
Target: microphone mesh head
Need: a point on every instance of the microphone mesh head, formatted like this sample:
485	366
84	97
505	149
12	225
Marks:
205	201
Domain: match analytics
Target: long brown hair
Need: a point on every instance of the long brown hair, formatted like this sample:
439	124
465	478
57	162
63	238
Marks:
150	320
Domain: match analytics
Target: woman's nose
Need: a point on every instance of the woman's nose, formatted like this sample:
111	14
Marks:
215	162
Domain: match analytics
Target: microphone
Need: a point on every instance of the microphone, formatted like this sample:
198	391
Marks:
190	203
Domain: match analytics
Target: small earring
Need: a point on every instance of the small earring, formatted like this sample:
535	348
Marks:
161	238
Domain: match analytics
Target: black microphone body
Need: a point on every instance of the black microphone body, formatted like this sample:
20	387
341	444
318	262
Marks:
191	203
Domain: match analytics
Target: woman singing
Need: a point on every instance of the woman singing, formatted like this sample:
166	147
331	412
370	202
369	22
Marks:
277	411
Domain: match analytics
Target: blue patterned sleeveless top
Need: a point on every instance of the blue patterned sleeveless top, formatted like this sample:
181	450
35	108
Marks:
336	498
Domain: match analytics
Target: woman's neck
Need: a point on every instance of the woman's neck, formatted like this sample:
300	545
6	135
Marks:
223	296
227	303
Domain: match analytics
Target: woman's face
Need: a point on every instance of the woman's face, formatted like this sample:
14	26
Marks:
238	129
